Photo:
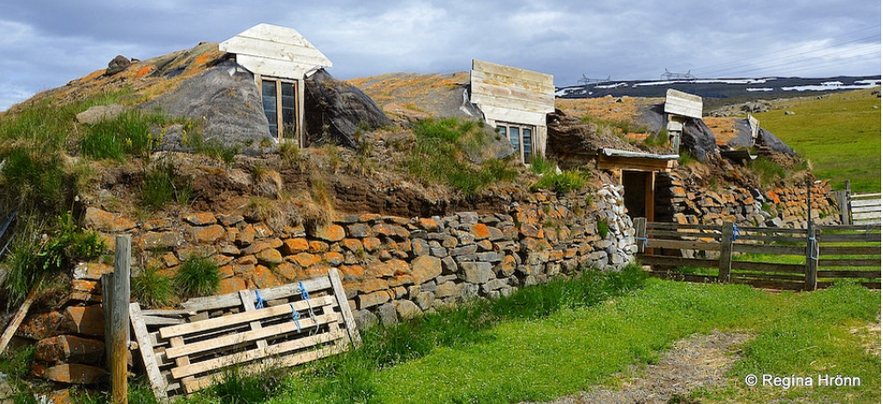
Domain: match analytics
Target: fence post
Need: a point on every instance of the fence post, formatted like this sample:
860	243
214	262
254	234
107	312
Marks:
640	233
848	203
119	320
812	257
843	202
726	258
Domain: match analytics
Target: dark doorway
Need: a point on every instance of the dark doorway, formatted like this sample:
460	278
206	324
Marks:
638	190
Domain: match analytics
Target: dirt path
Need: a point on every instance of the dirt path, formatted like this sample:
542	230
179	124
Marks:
698	361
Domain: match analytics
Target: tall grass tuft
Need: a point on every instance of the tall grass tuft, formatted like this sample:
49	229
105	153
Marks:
152	288
198	276
127	134
163	185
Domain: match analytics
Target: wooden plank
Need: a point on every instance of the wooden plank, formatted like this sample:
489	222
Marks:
859	262
849	227
340	295
246	296
769	267
836	238
284	361
849	250
509	71
769	249
255	354
683	235
863	203
773	277
772	239
514	112
676	226
158	383
684	104
233	299
167	313
850	274
769	284
641	240
273	49
273	68
119	319
866	215
257	335
20	315
244	317
684	245
869	285
156	320
661	260
725	264
684	277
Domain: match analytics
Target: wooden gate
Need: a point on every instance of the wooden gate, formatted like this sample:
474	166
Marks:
186	350
775	258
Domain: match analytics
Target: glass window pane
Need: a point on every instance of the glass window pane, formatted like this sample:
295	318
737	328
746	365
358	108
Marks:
268	98
527	135
288	108
513	137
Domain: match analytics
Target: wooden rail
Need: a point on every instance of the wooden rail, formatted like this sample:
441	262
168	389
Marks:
186	350
727	254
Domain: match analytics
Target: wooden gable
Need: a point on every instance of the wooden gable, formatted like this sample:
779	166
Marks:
510	94
271	50
683	104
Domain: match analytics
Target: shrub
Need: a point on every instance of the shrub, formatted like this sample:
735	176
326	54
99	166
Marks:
152	288
198	276
541	165
603	228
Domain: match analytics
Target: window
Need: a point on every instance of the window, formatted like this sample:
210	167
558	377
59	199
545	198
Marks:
521	137
279	98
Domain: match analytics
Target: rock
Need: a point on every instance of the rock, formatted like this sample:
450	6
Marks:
387	313
91	271
40	326
369	300
269	256
75	374
160	240
117	64
209	234
425	268
88	321
201	219
407	309
476	272
100	220
365	319
331	233
424	300
70	349
231	285
337	110
294	246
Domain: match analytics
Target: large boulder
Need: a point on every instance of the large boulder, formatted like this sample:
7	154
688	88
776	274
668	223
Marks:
698	140
337	112
225	99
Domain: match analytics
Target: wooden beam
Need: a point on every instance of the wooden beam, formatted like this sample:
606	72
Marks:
119	319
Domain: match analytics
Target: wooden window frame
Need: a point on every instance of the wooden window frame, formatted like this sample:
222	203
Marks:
521	127
280	125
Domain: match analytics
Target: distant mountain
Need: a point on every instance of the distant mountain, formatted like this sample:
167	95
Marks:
769	87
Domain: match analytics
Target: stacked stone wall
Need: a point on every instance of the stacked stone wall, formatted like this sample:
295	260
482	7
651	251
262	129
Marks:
678	201
392	267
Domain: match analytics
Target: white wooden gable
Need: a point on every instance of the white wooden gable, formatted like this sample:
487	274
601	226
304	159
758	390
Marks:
683	104
271	50
509	94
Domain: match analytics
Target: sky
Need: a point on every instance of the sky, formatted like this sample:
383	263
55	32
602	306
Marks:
46	44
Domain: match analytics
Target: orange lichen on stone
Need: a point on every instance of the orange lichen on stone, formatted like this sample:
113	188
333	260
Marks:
143	71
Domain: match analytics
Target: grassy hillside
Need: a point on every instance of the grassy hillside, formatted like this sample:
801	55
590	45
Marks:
839	134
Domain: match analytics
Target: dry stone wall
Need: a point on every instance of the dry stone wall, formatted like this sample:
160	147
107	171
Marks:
392	267
678	202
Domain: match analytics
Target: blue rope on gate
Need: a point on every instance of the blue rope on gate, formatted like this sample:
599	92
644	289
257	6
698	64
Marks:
303	291
643	239
260	301
811	243
735	233
295	316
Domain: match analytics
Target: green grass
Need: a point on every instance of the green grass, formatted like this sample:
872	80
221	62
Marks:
198	276
839	134
548	341
152	288
440	156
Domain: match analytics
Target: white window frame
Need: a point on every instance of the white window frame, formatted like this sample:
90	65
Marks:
280	124
520	148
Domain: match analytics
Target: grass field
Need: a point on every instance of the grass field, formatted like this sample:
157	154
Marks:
555	340
839	133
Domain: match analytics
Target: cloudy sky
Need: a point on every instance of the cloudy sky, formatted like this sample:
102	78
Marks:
45	43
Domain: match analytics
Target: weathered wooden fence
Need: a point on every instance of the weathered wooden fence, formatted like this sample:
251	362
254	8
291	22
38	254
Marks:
776	258
186	350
